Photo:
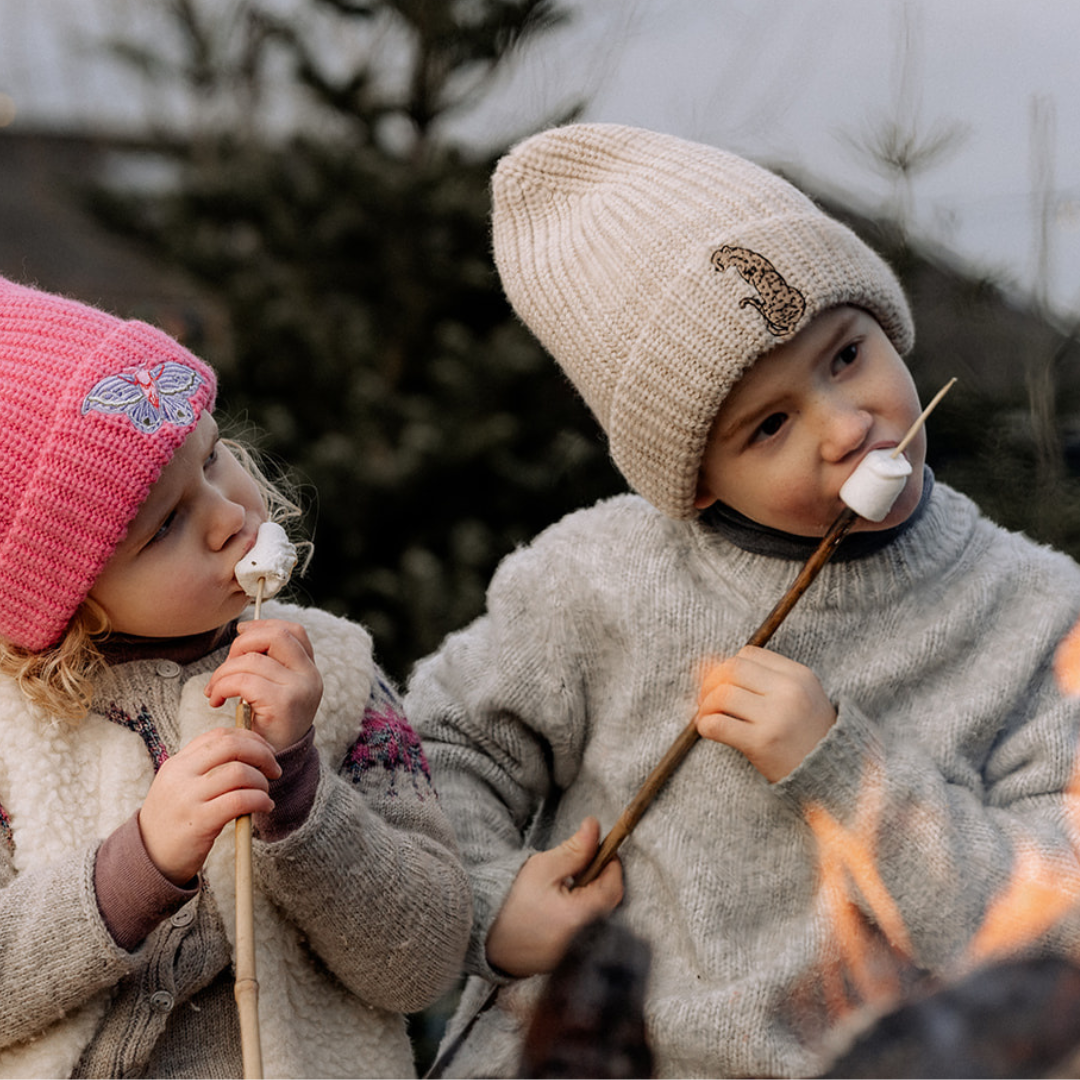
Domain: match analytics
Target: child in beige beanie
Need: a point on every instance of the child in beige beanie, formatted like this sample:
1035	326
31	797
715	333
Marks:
872	780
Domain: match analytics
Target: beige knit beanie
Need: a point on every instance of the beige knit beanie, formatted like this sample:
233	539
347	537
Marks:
657	270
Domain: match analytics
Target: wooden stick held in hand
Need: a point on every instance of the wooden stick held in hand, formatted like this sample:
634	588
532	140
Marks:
263	571
246	989
678	750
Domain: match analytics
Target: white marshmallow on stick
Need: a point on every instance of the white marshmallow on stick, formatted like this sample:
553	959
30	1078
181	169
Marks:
876	484
879	478
271	560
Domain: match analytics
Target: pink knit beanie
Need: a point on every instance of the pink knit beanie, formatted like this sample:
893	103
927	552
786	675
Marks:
92	408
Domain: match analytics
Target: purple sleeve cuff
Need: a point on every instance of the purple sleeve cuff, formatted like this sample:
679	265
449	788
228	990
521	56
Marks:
133	895
293	791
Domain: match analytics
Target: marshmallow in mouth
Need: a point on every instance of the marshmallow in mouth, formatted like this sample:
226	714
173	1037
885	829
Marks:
271	559
876	484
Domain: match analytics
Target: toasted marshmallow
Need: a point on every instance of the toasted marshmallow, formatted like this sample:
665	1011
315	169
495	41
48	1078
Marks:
875	484
271	559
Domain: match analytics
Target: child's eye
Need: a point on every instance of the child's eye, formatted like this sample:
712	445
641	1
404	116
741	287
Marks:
163	530
212	457
770	426
845	357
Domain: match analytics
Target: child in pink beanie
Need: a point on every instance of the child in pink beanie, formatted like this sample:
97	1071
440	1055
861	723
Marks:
122	516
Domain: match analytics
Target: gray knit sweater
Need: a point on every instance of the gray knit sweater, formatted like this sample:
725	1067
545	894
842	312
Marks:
949	757
362	908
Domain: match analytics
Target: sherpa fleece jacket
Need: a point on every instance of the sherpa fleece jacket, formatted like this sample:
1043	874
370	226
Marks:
361	912
774	910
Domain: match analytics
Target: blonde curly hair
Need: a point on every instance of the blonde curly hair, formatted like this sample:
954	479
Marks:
60	679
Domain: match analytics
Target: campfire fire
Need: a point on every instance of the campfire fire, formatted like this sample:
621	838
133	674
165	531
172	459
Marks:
1005	1010
1020	1018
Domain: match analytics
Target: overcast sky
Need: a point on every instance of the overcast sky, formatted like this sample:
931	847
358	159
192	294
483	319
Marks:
796	82
787	82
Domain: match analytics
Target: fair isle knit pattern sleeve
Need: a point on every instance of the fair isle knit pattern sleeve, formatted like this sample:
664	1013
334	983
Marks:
388	744
7	842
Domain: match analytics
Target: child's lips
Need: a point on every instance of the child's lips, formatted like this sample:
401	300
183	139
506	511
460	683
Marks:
246	544
884	444
249	541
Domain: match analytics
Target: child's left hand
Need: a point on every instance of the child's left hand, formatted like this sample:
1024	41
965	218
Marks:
271	665
770	708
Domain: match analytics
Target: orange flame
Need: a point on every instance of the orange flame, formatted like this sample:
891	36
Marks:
871	952
867	968
1037	896
851	850
1067	662
1041	891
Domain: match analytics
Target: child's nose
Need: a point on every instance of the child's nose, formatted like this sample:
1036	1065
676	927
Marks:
226	519
847	427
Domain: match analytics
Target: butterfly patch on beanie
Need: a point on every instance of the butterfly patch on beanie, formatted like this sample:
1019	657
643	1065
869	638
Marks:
148	397
781	305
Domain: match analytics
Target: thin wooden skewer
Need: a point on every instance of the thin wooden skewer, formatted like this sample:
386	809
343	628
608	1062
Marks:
246	989
682	746
912	431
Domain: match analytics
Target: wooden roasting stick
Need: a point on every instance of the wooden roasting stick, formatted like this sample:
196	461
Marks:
263	570
678	750
246	989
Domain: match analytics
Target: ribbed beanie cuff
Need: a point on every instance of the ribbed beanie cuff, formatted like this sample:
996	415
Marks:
657	270
91	410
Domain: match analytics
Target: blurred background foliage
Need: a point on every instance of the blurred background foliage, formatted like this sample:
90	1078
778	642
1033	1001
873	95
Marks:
367	337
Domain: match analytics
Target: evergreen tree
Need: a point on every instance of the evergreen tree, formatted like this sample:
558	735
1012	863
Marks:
370	340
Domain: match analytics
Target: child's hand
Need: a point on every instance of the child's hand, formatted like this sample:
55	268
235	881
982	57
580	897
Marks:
770	708
542	913
216	778
271	665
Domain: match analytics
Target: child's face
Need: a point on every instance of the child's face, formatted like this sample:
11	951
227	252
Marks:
795	426
172	574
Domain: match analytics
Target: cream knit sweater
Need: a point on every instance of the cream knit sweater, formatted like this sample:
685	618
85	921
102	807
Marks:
361	913
948	760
